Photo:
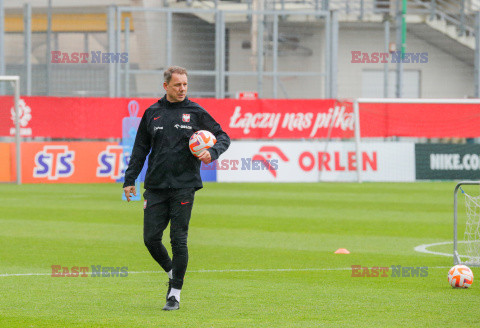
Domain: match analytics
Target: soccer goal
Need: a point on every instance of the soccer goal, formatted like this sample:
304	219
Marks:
466	214
10	112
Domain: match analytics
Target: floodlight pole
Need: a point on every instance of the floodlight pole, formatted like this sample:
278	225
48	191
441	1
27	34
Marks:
17	131
127	64
2	44
27	35
334	54
404	26
401	37
111	48
477	55
357	140
49	48
385	65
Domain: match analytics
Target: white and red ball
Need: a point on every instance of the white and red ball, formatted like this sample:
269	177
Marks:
200	141
460	276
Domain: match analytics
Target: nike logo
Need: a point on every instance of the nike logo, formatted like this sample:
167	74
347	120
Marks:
156	118
183	203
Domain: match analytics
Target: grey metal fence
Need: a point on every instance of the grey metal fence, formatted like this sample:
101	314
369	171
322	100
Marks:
270	52
43	47
227	51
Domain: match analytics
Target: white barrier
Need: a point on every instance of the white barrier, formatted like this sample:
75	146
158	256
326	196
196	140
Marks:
305	161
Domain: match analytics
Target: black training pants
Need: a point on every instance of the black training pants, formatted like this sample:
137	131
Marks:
163	206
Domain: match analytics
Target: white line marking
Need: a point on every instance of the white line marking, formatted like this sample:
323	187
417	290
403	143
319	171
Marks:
207	271
23	274
423	248
192	271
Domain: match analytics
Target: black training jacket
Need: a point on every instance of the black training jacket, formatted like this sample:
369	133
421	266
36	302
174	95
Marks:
165	129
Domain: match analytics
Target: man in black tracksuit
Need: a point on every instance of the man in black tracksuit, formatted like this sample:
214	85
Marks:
173	173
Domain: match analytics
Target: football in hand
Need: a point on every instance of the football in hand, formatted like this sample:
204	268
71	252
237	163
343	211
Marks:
200	141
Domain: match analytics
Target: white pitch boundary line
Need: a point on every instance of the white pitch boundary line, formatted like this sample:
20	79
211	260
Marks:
423	248
207	271
193	271
420	248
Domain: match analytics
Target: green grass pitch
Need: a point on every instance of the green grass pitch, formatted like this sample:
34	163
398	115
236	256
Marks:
261	255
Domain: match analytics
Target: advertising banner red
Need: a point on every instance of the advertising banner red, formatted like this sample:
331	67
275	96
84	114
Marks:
420	120
282	119
101	118
6	167
76	118
72	162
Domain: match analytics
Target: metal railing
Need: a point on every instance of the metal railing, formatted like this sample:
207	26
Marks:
453	12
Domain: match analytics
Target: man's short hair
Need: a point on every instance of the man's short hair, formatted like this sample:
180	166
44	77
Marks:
167	75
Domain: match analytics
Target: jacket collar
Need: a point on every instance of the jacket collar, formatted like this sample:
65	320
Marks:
163	101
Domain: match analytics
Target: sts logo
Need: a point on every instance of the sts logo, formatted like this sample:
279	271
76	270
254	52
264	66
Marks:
112	162
54	162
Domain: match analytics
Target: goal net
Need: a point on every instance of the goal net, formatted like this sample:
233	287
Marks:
467	216
10	129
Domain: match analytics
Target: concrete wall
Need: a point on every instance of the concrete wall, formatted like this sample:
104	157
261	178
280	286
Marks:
444	76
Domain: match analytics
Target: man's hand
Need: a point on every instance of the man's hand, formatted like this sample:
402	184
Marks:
205	157
128	191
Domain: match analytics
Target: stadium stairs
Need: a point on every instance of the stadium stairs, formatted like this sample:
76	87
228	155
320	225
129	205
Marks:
451	22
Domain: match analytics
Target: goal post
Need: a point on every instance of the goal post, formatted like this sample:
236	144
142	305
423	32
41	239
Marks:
15	82
471	236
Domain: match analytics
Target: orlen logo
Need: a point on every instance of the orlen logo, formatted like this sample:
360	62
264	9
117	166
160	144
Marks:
265	156
54	162
112	162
